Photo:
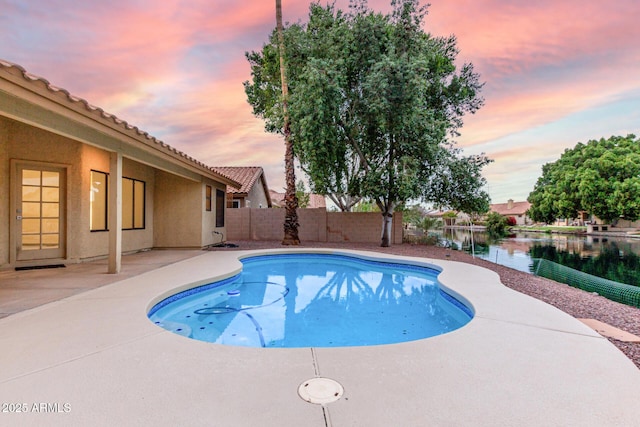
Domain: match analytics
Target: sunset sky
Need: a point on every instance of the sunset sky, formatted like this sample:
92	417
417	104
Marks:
556	72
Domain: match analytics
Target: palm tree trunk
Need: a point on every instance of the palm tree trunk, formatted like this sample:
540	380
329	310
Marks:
290	199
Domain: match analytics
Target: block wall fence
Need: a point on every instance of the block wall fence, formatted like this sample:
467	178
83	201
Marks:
316	225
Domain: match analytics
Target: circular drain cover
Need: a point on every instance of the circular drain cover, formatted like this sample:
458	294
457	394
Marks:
320	390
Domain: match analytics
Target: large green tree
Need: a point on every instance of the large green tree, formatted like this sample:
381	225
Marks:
374	104
601	177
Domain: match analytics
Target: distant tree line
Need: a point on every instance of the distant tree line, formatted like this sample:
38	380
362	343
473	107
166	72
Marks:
601	177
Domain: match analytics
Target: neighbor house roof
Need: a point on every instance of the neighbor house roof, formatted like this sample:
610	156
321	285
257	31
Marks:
276	198
247	176
510	208
315	200
13	76
439	213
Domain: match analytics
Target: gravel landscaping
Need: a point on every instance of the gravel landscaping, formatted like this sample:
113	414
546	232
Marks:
577	303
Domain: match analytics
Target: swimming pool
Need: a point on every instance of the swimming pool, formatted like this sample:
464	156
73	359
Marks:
314	300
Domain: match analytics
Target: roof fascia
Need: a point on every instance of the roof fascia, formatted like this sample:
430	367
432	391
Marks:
35	103
267	193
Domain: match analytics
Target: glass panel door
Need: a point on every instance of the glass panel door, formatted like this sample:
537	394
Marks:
40	212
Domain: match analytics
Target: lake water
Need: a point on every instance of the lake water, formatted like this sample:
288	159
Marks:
613	258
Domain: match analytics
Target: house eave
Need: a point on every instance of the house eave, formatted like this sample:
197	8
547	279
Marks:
33	100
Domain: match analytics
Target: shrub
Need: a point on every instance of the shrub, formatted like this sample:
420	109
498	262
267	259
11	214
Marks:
496	224
428	240
511	221
427	223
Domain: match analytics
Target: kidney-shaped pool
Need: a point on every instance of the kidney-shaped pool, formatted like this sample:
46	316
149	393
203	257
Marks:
314	300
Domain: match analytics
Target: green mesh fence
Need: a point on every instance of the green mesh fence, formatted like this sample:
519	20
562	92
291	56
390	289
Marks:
615	291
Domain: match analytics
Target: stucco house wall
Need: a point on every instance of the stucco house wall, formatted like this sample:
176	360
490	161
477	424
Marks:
175	227
180	216
4	192
140	239
257	198
44	129
522	219
96	243
23	143
210	233
26	144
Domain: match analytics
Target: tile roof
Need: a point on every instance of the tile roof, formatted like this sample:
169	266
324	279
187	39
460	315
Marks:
439	213
510	208
277	198
18	75
244	175
315	200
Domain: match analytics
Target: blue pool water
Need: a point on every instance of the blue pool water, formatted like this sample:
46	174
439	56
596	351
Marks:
314	300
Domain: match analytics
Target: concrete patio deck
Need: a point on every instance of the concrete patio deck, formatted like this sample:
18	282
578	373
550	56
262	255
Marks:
94	358
22	290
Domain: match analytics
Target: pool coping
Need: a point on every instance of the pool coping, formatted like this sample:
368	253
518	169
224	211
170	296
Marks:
518	362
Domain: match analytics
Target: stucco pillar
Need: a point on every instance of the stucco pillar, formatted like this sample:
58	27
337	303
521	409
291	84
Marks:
115	213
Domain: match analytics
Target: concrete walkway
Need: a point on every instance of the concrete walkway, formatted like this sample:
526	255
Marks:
95	359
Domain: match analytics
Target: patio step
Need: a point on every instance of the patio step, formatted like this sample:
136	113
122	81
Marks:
609	331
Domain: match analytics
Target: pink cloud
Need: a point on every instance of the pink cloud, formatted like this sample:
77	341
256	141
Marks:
533	103
175	68
535	32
